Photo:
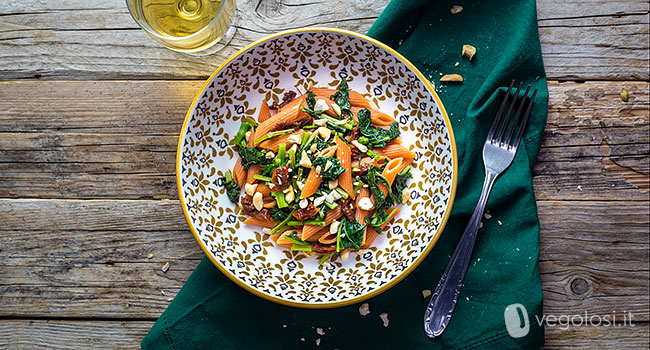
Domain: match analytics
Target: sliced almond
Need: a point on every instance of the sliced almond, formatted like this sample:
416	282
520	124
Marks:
452	78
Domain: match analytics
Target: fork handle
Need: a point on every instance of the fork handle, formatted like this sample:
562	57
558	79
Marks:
442	303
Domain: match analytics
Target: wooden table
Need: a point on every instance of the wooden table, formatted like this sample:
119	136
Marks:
90	111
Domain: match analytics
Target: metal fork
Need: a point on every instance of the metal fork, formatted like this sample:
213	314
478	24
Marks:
498	152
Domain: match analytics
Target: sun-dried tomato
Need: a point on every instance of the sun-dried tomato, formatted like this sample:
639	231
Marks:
306	213
249	209
348	209
322	249
288	97
280	178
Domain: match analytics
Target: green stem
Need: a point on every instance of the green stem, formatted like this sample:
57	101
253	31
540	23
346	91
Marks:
272	134
262	178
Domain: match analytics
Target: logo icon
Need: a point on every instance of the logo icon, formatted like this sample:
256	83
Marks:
517	322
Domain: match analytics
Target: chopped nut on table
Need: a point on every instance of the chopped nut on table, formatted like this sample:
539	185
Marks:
456	9
384	319
426	293
150	255
364	309
320	331
469	51
451	78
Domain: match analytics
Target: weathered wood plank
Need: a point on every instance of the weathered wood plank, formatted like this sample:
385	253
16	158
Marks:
80	40
94	253
55	334
597	338
63	334
91	140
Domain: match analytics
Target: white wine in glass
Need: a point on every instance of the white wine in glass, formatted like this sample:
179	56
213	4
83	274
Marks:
195	27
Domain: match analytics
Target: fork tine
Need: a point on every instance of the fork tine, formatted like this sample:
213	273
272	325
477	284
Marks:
522	125
495	123
515	121
502	130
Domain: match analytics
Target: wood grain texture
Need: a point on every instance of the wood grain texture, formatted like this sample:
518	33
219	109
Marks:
117	139
59	335
76	39
64	334
94	252
605	338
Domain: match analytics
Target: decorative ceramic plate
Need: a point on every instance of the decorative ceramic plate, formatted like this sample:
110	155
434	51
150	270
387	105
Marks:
266	69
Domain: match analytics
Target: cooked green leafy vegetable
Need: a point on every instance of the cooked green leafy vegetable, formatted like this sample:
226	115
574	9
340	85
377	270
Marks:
371	178
377	137
399	184
232	189
342	98
298	244
380	217
311	100
246	125
349	235
251	155
333	171
279	214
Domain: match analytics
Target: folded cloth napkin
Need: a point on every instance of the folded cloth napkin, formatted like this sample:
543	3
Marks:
211	312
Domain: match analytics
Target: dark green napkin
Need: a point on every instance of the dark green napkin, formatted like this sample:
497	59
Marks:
211	312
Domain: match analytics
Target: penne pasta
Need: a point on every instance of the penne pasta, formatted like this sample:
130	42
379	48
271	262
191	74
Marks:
302	195
311	184
238	173
394	150
390	172
356	99
252	171
361	214
265	112
344	155
314	179
332	214
380	119
316	236
273	144
259	222
286	117
372	234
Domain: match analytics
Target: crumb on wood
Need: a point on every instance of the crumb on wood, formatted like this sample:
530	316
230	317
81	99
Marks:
165	267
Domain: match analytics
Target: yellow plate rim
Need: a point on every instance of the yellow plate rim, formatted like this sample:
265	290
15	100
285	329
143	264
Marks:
388	285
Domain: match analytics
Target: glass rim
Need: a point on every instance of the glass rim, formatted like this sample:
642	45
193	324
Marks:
173	38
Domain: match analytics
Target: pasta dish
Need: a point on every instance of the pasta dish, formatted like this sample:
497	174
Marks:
323	172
